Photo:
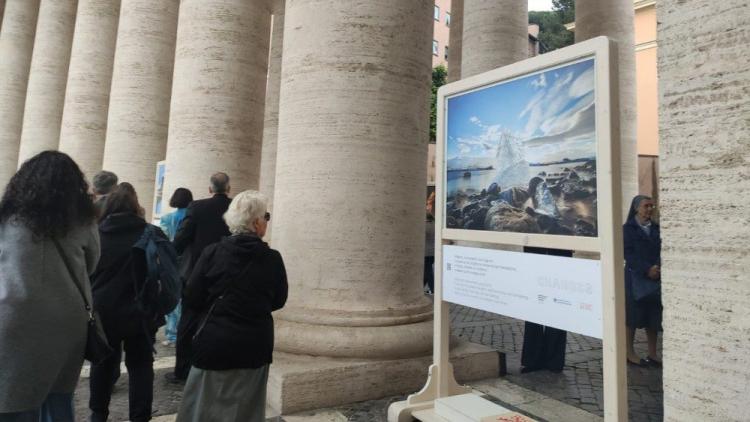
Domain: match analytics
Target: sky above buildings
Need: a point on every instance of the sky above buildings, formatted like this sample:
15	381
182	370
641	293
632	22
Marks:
540	4
551	115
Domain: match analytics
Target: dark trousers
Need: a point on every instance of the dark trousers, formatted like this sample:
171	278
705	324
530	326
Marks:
189	322
429	273
543	347
139	360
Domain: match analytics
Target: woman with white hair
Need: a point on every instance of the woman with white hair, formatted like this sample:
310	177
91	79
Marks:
235	285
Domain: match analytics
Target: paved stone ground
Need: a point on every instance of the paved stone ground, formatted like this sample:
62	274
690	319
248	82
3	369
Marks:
579	384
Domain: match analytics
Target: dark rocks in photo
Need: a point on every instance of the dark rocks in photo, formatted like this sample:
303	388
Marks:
557	203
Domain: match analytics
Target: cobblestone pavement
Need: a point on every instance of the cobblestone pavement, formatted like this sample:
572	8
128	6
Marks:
579	384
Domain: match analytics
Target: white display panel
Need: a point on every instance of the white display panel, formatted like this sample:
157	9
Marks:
560	292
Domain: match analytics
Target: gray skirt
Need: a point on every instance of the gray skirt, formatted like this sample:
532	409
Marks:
233	395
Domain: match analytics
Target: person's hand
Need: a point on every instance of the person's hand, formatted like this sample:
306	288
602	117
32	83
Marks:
654	273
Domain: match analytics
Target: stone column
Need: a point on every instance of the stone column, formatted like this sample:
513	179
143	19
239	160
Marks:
455	40
350	178
614	18
45	94
495	33
16	45
216	118
271	124
140	95
84	121
704	104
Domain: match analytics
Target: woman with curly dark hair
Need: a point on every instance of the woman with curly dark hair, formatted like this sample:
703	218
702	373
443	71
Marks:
46	218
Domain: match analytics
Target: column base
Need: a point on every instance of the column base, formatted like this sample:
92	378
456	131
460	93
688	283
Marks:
298	382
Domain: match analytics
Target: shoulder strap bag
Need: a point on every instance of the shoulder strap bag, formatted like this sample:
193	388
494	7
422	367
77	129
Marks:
219	298
97	347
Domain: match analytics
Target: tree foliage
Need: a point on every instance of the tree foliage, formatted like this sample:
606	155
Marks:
552	32
439	78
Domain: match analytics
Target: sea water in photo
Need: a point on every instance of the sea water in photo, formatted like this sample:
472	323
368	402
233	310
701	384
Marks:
521	154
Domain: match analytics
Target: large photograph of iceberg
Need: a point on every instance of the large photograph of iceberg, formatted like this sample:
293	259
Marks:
521	155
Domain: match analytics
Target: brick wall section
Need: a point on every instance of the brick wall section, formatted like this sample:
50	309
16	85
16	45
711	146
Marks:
704	113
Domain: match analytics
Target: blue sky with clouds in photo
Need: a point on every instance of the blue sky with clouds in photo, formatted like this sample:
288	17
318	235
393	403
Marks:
551	113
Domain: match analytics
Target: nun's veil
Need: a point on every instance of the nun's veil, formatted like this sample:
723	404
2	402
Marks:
635	204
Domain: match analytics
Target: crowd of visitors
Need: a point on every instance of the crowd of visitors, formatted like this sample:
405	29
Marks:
83	275
78	280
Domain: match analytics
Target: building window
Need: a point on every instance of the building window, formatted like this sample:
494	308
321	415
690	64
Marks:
446	52
448	19
434	47
437	13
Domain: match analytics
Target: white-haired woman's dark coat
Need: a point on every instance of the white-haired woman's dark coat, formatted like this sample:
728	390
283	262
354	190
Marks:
239	332
43	321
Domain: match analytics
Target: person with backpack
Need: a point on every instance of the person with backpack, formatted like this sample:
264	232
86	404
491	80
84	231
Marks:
48	246
126	289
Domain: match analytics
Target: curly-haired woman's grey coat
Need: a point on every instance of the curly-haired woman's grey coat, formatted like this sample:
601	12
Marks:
43	322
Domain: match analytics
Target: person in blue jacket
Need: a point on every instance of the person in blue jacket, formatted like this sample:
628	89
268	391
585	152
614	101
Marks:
169	223
642	242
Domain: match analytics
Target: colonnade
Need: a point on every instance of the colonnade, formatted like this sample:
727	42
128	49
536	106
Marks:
333	128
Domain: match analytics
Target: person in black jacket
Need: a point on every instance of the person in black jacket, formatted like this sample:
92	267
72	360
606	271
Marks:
120	273
642	249
202	226
235	286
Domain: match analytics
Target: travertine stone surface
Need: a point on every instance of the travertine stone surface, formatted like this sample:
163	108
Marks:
84	121
16	45
350	175
216	117
45	94
456	44
495	34
614	18
271	125
140	95
704	107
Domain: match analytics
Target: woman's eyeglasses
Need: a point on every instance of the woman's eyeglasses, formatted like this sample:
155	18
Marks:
267	216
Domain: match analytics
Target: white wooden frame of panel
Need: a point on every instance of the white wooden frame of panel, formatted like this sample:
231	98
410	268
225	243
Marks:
441	381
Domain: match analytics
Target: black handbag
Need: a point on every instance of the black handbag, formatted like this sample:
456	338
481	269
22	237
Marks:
643	287
97	347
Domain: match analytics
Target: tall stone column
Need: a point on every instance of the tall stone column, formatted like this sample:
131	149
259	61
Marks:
495	33
350	178
704	104
216	117
45	94
84	121
615	19
271	124
456	40
141	92
16	45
